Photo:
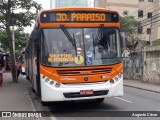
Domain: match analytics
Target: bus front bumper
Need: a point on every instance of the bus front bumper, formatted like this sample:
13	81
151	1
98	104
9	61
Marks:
71	92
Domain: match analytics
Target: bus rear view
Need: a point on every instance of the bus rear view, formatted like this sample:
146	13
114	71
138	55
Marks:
76	55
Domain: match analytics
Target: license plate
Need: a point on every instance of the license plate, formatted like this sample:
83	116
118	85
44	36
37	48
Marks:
86	92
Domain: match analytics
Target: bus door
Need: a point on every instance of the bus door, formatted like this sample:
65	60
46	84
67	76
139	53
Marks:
34	66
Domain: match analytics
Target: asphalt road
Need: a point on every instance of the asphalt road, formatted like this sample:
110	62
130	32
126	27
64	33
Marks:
133	100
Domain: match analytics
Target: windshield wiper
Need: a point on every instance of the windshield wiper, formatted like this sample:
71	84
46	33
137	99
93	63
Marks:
93	45
75	43
99	34
67	34
70	38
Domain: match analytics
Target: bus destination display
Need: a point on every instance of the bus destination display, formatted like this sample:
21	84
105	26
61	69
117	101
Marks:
79	17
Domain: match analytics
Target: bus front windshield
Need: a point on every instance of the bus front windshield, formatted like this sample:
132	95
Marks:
69	47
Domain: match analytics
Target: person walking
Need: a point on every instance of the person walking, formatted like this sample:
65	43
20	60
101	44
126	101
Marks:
18	68
1	70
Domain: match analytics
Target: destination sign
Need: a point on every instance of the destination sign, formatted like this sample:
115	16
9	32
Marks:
76	16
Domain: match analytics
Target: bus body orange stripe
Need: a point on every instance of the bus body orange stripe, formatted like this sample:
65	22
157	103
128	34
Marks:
52	74
51	25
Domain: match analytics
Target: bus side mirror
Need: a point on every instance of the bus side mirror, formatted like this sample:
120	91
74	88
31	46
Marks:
123	42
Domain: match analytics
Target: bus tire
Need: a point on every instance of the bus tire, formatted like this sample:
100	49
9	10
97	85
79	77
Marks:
33	90
44	103
99	100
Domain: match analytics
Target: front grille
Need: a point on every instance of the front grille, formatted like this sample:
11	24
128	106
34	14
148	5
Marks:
84	72
77	94
85	83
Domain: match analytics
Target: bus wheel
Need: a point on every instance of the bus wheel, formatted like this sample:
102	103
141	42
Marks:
33	90
44	103
99	100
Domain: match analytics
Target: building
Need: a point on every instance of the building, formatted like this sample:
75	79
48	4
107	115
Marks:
145	11
149	15
122	5
68	3
97	3
80	3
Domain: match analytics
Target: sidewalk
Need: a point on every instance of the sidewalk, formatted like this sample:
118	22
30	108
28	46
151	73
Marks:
142	85
15	97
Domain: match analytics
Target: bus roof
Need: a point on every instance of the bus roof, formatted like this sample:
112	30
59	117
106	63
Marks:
78	9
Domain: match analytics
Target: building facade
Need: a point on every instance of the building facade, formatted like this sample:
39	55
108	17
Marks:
145	11
100	3
149	15
123	5
68	3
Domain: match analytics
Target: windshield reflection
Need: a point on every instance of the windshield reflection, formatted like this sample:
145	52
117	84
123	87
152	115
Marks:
58	50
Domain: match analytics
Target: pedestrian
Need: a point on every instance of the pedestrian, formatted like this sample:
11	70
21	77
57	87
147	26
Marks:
1	70
18	68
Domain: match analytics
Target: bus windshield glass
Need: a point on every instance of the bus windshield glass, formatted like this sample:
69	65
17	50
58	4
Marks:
92	46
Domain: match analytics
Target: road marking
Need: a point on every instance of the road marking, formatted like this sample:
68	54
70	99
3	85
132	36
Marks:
53	118
124	100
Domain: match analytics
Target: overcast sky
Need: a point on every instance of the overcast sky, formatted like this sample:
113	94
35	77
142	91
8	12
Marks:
45	5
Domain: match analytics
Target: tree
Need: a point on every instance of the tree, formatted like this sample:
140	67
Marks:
4	41
21	40
8	18
129	25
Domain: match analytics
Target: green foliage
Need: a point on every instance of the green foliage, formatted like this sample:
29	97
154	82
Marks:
4	41
8	10
129	25
21	40
156	42
9	15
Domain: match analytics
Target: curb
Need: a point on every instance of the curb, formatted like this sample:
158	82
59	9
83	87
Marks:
143	88
30	100
50	117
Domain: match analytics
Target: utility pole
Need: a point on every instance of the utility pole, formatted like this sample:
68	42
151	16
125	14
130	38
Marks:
13	40
150	33
13	37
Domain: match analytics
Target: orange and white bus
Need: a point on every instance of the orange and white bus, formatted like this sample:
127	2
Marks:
75	54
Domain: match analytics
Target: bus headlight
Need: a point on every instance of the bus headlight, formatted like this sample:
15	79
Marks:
47	80
58	85
116	78
111	81
51	82
119	75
